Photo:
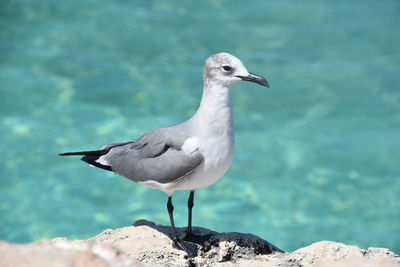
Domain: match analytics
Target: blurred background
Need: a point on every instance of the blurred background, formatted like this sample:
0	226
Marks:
317	154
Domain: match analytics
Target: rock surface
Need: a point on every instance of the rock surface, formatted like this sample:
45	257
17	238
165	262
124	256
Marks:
148	244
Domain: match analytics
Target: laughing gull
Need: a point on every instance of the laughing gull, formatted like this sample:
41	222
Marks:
185	156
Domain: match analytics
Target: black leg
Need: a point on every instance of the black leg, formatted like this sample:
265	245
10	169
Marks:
176	243
190	206
170	208
189	234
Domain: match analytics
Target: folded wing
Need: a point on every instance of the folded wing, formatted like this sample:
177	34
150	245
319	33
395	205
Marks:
156	156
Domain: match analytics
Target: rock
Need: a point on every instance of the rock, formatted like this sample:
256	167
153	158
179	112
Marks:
148	244
329	253
62	252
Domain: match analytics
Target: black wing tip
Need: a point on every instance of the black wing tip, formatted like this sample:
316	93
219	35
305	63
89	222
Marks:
73	154
67	154
90	157
85	153
92	160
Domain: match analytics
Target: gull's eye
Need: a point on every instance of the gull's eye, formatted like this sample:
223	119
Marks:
226	68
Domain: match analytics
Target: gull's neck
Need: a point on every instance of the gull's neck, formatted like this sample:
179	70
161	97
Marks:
215	115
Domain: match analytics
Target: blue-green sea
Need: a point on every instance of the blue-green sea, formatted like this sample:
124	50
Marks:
317	154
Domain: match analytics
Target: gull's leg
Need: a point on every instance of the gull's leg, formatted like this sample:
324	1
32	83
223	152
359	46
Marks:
190	206
170	208
189	234
176	243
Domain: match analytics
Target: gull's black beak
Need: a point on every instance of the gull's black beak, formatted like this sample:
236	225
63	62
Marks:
255	79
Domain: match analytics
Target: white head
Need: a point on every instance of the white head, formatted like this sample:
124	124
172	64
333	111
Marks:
226	70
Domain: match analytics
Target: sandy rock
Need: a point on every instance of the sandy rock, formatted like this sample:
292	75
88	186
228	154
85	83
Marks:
142	243
148	244
62	252
329	253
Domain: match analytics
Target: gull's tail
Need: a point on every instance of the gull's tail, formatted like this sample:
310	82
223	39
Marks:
91	157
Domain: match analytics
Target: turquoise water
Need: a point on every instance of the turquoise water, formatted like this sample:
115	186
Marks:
317	154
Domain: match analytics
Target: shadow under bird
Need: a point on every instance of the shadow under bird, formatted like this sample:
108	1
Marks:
185	156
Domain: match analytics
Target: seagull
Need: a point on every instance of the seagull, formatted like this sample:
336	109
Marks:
188	155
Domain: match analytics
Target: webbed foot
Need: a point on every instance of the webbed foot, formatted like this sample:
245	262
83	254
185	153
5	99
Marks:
188	247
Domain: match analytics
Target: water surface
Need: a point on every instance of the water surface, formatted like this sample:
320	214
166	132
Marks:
317	154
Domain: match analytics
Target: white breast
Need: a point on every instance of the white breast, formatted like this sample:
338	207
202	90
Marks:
215	139
211	131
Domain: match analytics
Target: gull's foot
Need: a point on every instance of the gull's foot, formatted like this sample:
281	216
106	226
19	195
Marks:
189	248
198	239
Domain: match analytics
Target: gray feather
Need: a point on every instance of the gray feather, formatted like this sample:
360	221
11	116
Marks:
156	156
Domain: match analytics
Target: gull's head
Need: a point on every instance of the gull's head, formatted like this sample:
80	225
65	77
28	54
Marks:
226	70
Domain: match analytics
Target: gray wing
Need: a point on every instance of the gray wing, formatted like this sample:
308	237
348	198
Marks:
156	156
